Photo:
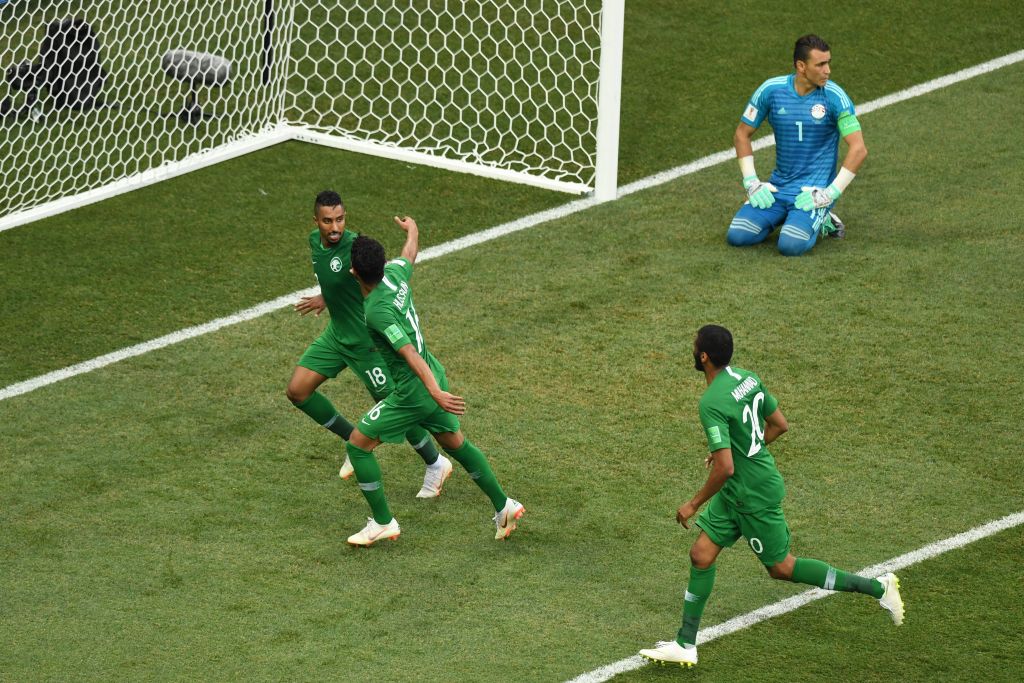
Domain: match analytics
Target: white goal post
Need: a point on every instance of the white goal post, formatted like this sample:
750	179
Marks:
100	97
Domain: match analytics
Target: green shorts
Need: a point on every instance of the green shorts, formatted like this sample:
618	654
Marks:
329	357
765	530
400	411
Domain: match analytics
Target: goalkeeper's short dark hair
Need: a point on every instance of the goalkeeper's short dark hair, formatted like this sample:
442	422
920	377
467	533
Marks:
716	341
804	45
368	259
327	198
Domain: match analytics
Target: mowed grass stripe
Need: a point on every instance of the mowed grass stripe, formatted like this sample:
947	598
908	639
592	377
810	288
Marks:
481	237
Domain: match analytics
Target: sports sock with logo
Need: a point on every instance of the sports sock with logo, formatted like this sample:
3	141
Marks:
320	408
697	592
421	442
823	575
369	477
475	462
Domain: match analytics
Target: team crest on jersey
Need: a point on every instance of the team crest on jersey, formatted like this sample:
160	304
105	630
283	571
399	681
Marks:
818	111
336	264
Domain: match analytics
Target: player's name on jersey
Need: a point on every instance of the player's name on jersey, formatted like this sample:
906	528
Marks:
744	388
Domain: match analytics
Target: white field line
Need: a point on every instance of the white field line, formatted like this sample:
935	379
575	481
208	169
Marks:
795	602
486	235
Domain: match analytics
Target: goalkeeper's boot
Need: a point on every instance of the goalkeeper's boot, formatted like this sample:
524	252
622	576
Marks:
833	227
374	532
435	477
505	519
891	600
671	652
346	470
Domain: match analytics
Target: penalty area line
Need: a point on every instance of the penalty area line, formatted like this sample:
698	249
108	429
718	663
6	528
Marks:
476	238
797	601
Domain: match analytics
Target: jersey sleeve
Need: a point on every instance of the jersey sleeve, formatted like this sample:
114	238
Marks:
716	428
400	267
387	326
759	104
770	403
839	103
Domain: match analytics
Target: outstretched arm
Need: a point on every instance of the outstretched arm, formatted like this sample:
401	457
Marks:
449	402
412	238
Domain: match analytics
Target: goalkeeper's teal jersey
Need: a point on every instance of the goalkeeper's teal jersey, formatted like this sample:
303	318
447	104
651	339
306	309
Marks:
340	289
393	323
733	411
806	130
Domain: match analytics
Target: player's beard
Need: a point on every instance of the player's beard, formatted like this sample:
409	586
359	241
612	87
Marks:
697	365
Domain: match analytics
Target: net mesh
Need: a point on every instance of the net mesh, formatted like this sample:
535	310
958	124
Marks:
86	100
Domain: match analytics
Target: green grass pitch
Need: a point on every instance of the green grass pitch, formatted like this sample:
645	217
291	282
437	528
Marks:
171	517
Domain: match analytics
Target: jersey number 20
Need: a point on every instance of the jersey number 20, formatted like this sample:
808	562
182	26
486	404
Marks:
752	412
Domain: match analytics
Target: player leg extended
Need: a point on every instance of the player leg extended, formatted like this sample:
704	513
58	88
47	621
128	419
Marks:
718	529
507	511
371	369
321	361
768	535
752	226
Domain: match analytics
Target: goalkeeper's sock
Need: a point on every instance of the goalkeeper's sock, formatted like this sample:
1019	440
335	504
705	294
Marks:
421	442
823	575
369	477
475	462
697	592
320	408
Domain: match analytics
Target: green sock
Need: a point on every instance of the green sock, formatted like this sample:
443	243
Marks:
320	408
822	575
475	462
421	442
697	592
368	475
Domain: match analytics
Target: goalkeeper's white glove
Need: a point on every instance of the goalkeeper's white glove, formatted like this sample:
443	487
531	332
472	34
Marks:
817	198
760	193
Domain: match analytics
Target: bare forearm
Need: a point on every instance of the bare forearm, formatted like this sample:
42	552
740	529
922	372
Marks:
741	141
716	480
772	432
412	245
422	370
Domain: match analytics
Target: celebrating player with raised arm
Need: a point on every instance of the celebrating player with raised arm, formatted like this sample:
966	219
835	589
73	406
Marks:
745	489
808	113
345	343
421	397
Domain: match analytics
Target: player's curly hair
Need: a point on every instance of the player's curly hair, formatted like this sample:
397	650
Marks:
368	259
804	45
716	341
327	198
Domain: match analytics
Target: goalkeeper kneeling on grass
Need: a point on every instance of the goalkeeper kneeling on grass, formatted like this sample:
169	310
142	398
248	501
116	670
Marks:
808	113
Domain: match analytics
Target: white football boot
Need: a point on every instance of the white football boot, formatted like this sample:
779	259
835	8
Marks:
374	532
435	477
506	518
891	600
671	652
346	470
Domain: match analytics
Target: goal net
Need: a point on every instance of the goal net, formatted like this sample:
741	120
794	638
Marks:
103	96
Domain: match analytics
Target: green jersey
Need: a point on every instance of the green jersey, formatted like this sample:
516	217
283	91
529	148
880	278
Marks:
733	412
340	289
393	323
